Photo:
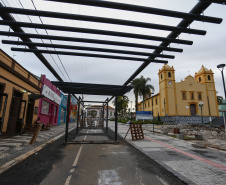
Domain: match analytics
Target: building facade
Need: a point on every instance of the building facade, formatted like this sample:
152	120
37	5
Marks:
19	96
49	105
62	109
183	98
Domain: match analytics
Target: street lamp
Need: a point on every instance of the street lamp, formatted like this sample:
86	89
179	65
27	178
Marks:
201	105
221	68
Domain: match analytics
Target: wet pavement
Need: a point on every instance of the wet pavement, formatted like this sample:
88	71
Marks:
190	164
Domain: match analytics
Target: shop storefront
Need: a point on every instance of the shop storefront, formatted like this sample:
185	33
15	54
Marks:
19	96
49	105
62	109
73	109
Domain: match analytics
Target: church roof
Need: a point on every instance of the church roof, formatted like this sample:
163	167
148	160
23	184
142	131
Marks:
204	70
166	68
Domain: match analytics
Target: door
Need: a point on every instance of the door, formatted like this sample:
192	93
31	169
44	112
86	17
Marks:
30	110
20	120
14	113
193	109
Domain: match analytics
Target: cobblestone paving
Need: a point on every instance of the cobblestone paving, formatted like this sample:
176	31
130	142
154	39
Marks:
10	148
193	165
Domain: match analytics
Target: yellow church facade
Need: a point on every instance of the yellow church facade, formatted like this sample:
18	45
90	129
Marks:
183	98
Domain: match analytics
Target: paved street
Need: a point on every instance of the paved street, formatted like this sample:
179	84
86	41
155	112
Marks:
158	159
193	165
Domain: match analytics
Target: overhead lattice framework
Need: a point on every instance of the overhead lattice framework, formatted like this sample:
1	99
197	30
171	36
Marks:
92	89
159	42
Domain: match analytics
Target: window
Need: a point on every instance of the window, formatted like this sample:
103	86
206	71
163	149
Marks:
145	105
148	104
183	95
209	77
200	96
200	79
192	95
161	76
45	107
156	101
169	74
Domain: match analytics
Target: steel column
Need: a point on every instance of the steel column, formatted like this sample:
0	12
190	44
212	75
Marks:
78	115
107	119
116	119
67	118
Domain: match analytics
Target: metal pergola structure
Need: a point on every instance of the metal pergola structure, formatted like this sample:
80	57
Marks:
173	37
94	89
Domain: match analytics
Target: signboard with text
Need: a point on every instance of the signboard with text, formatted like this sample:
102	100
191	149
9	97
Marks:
140	115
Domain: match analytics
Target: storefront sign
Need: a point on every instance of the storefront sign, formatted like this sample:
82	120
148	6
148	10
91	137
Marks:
47	92
144	115
73	107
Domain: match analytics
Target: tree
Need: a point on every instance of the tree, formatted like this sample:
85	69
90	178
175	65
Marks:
122	104
220	99
145	88
141	88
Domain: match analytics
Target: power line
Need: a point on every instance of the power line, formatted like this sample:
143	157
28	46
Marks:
54	48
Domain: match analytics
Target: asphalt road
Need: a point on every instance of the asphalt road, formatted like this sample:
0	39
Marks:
88	164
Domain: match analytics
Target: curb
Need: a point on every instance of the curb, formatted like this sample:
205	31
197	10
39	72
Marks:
19	159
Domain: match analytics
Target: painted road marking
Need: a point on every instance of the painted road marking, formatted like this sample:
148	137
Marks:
108	177
219	166
75	163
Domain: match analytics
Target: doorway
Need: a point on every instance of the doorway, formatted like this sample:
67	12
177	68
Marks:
193	109
14	112
30	111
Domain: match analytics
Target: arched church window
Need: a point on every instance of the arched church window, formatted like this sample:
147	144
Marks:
161	76
169	74
183	95
200	96
200	79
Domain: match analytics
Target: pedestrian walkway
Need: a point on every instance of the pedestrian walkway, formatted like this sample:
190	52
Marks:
192	165
17	148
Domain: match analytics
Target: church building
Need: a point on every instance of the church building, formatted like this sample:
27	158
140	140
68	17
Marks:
193	96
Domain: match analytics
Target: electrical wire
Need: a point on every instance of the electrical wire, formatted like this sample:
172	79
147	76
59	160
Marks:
54	48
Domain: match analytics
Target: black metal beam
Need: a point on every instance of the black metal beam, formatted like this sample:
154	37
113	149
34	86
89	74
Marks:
94	41
143	9
223	2
100	20
198	9
93	31
87	55
86	48
92	101
15	28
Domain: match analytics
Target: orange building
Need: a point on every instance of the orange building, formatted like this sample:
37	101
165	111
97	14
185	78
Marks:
19	94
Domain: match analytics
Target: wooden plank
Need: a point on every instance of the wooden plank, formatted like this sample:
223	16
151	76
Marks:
37	130
136	131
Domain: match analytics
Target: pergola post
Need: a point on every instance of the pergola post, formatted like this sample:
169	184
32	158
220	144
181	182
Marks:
116	119
107	119
78	115
103	115
67	119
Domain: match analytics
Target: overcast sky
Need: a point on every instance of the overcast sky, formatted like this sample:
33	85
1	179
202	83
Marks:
208	50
